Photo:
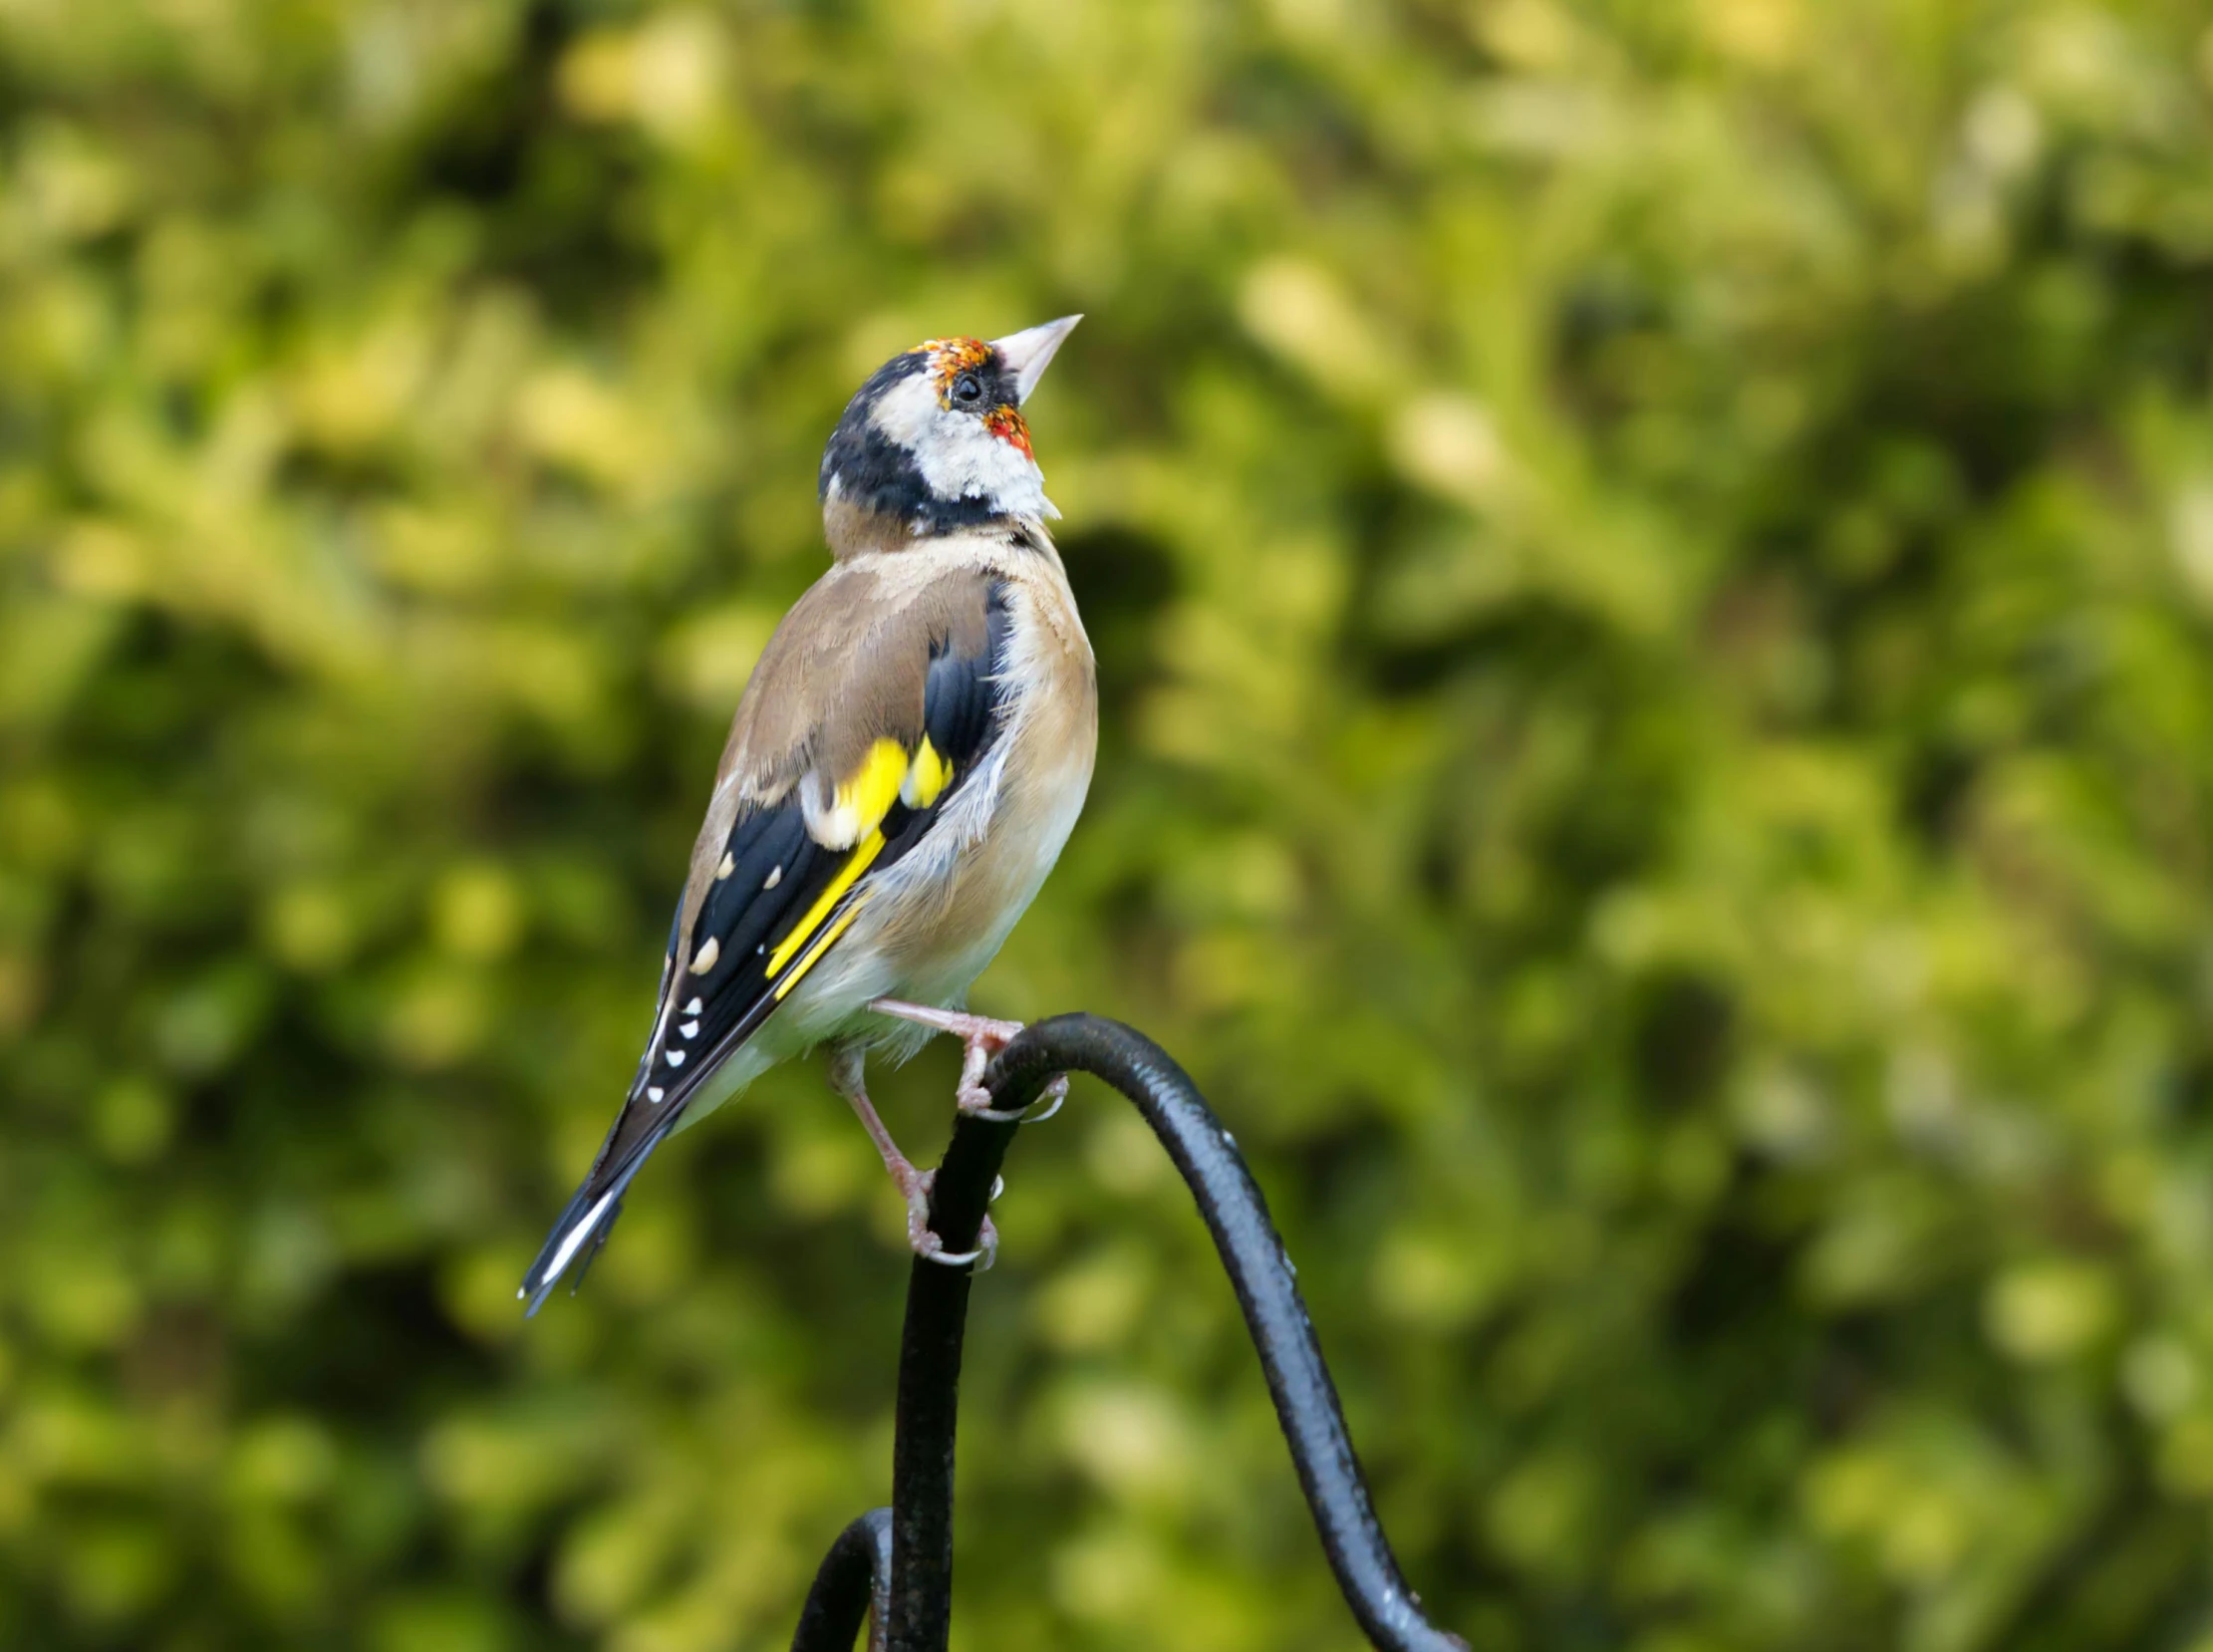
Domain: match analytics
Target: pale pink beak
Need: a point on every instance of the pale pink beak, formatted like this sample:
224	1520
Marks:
1028	352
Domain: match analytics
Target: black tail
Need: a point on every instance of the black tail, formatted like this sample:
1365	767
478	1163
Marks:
583	1222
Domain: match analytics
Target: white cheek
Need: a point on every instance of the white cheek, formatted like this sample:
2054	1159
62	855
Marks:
969	462
959	458
905	412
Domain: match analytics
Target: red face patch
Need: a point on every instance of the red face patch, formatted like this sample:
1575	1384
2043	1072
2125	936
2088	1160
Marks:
1005	423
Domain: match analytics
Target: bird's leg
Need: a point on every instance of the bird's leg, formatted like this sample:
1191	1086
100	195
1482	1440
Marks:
847	1065
980	1040
847	1078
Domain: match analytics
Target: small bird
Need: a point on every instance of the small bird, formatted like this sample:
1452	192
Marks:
905	766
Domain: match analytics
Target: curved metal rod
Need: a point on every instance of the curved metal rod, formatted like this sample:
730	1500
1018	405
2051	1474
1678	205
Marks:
1236	1214
854	1582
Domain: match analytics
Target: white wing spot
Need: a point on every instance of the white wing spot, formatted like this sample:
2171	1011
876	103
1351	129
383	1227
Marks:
775	877
727	868
675	1058
690	1029
694	1008
707	955
654	1093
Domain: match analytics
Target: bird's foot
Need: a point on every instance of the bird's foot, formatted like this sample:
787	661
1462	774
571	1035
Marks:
975	1101
980	1037
922	1240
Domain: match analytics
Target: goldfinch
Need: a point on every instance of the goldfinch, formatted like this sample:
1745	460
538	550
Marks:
905	766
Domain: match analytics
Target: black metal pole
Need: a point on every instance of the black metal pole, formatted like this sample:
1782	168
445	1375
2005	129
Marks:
920	1609
929	1376
853	1583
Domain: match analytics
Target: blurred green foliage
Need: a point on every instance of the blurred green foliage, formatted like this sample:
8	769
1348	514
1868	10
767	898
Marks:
1653	573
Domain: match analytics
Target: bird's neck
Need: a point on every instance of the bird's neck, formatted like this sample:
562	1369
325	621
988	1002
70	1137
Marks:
854	529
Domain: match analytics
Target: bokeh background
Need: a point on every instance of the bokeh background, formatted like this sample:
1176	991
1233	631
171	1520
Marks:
1652	568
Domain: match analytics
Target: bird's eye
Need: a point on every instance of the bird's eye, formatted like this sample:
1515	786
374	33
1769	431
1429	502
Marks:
968	390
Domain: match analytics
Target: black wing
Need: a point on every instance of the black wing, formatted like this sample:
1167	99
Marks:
778	903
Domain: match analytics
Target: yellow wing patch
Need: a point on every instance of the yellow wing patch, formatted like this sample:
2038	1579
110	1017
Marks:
866	796
886	776
818	949
927	777
855	864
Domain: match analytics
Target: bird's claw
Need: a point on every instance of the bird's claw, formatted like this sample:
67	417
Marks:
975	1101
979	1043
922	1240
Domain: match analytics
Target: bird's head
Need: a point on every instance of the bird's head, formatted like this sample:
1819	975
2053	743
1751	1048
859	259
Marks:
935	441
